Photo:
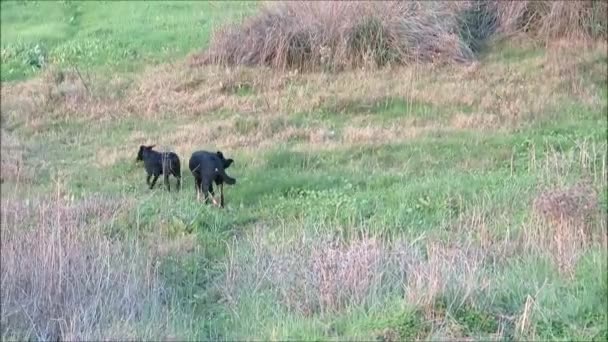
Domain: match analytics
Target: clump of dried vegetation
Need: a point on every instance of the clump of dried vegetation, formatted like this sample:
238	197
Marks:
310	276
340	34
546	20
322	274
573	204
568	221
63	279
327	275
331	35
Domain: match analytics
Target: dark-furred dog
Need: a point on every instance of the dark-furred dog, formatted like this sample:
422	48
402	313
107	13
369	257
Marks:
160	163
209	167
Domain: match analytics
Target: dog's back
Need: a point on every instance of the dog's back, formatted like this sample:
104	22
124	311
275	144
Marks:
152	162
202	162
159	163
206	165
171	163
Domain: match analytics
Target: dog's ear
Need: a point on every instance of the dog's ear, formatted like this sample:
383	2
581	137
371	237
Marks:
220	154
150	147
140	153
228	162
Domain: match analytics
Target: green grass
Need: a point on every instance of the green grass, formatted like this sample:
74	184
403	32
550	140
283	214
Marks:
106	35
437	198
392	190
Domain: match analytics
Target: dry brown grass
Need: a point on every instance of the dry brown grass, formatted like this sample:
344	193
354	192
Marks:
495	89
12	167
547	20
268	131
311	276
499	96
577	203
394	133
316	274
453	269
475	121
63	279
567	222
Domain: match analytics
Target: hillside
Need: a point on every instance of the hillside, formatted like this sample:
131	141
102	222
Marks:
421	199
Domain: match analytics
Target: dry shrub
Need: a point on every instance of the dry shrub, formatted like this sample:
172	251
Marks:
546	20
341	34
329	275
344	274
567	221
574	204
62	279
449	271
315	275
336	35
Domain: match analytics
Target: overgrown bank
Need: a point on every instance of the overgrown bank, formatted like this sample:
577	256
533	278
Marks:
329	35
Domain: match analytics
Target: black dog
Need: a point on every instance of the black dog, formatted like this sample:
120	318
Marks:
208	167
157	163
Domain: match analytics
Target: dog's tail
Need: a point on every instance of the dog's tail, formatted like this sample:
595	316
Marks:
227	179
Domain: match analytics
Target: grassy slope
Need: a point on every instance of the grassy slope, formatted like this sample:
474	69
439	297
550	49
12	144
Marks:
419	165
117	35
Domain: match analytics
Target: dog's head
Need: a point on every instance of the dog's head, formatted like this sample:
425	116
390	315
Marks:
140	153
226	162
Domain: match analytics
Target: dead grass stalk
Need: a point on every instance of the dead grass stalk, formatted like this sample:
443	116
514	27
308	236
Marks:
63	279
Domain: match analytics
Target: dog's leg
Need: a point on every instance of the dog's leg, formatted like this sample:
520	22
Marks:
205	190
153	182
222	195
212	194
148	179
197	186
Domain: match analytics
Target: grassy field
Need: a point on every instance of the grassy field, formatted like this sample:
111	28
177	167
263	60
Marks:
416	202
